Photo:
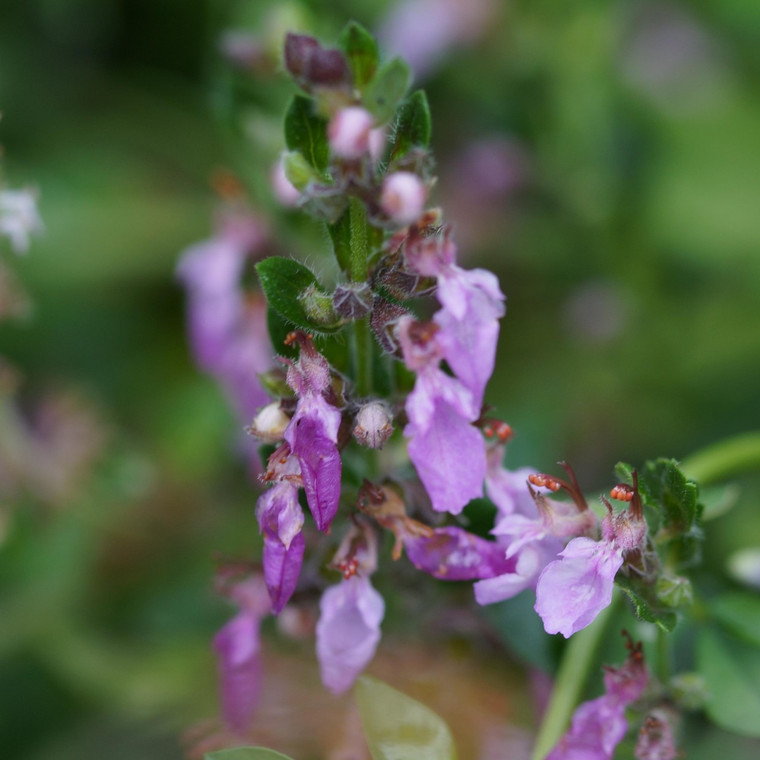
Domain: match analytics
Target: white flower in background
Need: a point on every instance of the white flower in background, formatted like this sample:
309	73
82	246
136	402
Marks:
19	217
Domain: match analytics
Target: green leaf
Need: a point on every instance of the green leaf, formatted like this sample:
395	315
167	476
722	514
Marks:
666	484
412	126
278	329
306	132
387	89
740	613
246	753
398	727
731	670
299	172
285	283
646	605
361	52
340	232
665	490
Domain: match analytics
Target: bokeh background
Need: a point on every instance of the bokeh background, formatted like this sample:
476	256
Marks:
602	157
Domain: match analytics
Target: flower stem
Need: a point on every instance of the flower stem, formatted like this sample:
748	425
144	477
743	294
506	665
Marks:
359	241
571	678
724	459
363	356
360	233
663	657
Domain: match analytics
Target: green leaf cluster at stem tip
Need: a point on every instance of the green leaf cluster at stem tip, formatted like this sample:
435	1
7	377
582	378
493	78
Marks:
345	191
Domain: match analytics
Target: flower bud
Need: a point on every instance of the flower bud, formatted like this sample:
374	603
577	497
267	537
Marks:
674	590
377	144
270	423
374	424
403	197
312	65
349	132
352	300
318	306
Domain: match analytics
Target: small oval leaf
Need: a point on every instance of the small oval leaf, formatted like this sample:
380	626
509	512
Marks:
361	52
306	132
398	727
413	125
246	753
285	282
387	89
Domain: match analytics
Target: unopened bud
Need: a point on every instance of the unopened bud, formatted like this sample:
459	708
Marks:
674	591
403	197
349	131
270	423
689	691
312	65
318	306
373	425
352	300
656	740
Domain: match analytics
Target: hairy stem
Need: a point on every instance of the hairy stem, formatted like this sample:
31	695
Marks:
363	356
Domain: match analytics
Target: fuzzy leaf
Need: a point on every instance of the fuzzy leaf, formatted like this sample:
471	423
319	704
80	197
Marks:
361	52
387	90
285	282
675	499
731	670
306	132
646	605
413	125
246	753
398	727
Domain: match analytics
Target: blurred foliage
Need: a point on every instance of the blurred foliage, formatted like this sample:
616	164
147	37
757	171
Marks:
622	226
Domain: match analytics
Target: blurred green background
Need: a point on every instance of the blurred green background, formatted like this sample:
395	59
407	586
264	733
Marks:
602	157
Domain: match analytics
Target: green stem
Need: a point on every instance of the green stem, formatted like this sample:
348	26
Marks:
571	679
724	459
359	241
360	232
363	356
663	656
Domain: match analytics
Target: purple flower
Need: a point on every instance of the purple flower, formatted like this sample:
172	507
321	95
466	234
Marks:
600	725
423	31
528	564
228	330
280	520
453	554
469	321
446	450
551	520
508	489
238	649
472	305
348	631
574	589
313	433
